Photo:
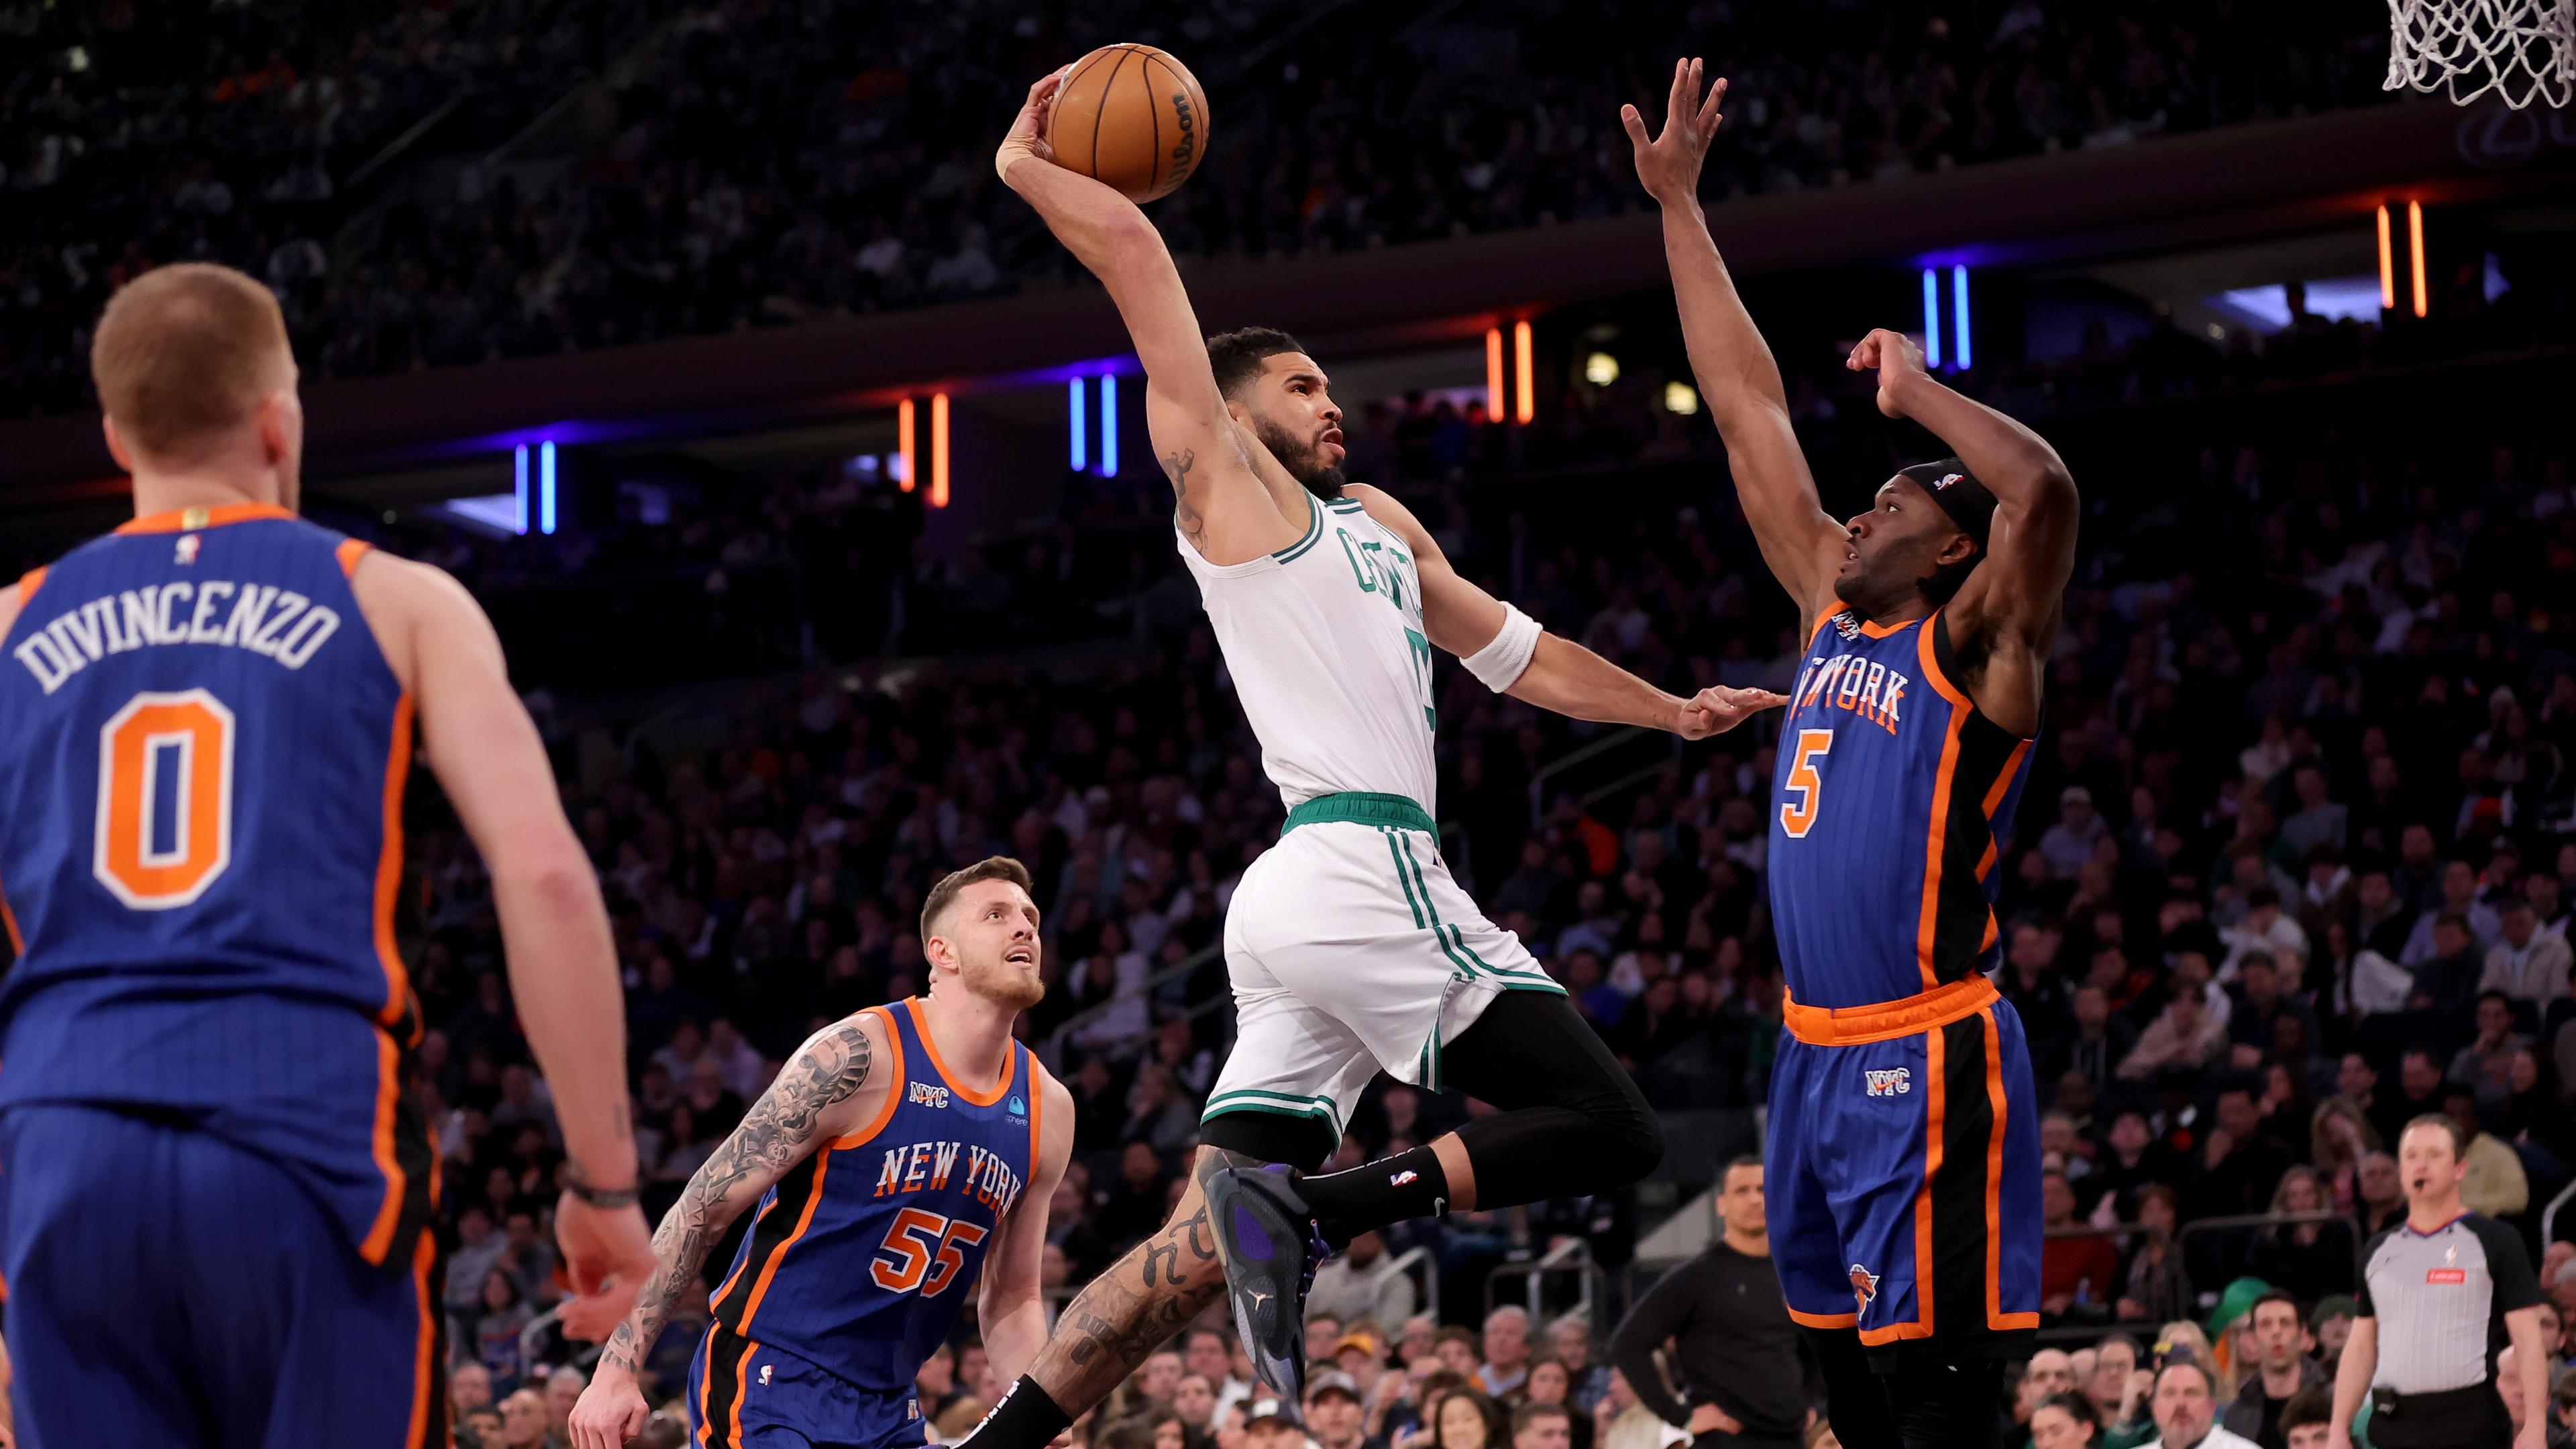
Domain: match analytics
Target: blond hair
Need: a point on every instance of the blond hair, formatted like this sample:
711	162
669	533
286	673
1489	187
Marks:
185	352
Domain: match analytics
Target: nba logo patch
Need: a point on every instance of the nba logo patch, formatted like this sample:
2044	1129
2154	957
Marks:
189	543
1946	480
764	1375
1019	1106
1890	1082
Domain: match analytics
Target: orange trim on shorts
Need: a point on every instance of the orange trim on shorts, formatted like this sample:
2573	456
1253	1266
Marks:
1996	1318
389	866
1887	1020
957	1084
742	1385
1824	1320
348	553
422	1257
28	582
894	1079
777	1255
186	520
380	1234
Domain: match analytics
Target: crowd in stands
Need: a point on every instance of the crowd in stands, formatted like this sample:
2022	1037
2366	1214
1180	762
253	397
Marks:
763	163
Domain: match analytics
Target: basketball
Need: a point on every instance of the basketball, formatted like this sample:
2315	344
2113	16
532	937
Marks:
1130	116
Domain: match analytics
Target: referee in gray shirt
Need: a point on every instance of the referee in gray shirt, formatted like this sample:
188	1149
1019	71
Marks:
2441	1295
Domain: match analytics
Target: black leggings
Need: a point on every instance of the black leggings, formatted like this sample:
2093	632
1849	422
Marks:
1572	1120
1924	1400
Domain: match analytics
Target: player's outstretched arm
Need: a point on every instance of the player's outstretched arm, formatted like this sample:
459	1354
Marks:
1009	1302
2006	613
480	743
1507	650
827	1089
1220	504
1738	379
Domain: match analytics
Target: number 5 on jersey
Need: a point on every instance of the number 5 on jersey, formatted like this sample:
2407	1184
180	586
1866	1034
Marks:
159	848
922	1243
1799	816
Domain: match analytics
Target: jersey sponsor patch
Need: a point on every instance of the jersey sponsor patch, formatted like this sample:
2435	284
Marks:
2446	1275
1890	1082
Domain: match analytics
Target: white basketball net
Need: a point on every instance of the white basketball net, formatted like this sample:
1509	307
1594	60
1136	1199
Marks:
2522	50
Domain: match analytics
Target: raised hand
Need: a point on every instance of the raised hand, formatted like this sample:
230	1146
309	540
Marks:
1669	164
1898	362
1028	134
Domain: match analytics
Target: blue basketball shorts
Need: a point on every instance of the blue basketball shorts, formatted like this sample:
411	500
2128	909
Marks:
744	1394
1902	1172
169	1288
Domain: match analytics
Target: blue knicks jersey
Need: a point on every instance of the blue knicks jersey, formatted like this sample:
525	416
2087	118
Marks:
202	758
1891	792
862	1255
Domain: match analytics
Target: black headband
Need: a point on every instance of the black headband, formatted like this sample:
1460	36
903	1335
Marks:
1959	495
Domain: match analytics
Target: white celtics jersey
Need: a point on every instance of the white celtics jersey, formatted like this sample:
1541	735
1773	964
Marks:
1324	641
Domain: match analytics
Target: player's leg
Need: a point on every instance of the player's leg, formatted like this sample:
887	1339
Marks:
95	1320
1387	947
1282	1096
1807	1249
1922	1169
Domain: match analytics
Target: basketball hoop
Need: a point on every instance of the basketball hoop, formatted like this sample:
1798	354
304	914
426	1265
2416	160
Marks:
2522	50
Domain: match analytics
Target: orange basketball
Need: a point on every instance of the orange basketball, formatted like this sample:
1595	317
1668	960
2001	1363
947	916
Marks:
1132	117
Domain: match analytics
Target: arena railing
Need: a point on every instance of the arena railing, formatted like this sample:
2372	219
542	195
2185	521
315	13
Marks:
1571	1257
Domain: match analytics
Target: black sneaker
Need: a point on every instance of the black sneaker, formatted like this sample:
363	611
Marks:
1272	1248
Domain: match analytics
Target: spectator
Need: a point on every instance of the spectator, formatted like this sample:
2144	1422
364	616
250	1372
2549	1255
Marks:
2527	964
2282	1370
2308	1259
1550	1385
496	1332
469	1387
2185	1409
2066	1421
2049	1373
2076	1273
1542	1426
1470	1419
1570	1339
1347	1288
2184	1034
2305	1419
2485	1065
1506	1347
2494	1182
1333	1413
1735	1353
2068	844
523	1420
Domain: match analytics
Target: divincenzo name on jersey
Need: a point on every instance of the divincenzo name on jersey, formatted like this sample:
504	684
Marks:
262	618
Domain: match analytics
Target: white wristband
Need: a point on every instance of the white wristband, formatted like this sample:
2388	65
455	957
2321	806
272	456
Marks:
1500	664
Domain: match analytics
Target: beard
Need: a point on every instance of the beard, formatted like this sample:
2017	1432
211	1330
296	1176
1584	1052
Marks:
1003	983
1305	462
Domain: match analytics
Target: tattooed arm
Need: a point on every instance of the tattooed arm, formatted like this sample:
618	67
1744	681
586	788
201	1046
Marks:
1009	1306
1229	509
824	1091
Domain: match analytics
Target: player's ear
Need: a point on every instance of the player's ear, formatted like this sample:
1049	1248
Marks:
1238	412
115	443
1958	550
